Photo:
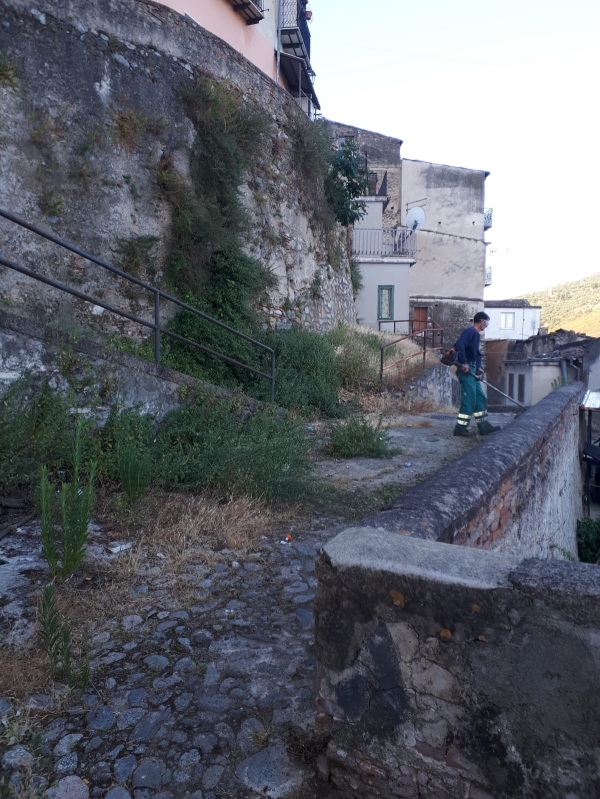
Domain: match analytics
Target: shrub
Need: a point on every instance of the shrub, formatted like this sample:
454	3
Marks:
265	455
306	379
35	429
357	438
357	356
64	554
588	540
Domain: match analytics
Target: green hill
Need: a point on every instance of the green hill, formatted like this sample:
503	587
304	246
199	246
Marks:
572	306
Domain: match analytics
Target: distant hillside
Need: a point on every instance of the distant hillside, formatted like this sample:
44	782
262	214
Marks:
572	306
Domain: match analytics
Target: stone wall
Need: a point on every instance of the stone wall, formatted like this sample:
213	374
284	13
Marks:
97	378
433	385
86	70
447	671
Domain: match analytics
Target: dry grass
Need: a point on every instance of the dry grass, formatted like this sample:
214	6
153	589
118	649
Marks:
23	671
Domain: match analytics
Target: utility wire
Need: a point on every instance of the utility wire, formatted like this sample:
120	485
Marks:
459	60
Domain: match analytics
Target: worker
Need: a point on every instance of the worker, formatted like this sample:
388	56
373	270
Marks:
469	373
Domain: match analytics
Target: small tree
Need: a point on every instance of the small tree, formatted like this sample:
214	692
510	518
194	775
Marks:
346	181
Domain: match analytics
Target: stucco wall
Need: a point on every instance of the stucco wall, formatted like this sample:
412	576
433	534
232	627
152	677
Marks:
451	259
64	168
377	273
451	672
526	323
254	42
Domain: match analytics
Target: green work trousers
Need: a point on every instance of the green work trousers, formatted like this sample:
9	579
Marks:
473	401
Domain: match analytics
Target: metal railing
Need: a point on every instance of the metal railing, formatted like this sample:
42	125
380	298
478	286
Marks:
487	218
384	241
433	334
488	275
293	16
158	295
413	325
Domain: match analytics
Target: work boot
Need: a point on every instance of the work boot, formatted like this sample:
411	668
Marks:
462	432
486	428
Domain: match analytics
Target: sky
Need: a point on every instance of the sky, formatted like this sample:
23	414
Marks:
509	87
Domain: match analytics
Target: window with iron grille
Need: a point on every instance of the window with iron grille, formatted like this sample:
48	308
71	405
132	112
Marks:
385	303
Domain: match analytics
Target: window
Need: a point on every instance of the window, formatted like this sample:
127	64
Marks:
511	386
345	140
385	303
521	389
507	321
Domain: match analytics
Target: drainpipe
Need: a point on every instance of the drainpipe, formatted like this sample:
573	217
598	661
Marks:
563	371
577	369
279	2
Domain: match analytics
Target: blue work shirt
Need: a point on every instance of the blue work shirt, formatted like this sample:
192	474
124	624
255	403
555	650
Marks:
467	347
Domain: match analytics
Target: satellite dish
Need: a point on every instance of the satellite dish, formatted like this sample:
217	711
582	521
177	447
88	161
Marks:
415	218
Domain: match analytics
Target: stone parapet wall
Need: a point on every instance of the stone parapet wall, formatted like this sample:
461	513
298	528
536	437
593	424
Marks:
518	492
454	673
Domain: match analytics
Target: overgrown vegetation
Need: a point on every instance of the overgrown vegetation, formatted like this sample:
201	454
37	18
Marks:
357	438
588	540
8	72
571	306
65	663
137	255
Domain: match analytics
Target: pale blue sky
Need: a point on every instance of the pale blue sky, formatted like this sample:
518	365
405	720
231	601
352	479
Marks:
509	87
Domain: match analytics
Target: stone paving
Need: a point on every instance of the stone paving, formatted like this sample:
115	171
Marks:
215	699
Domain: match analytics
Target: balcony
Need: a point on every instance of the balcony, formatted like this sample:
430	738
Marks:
251	10
398	242
487	218
295	36
488	275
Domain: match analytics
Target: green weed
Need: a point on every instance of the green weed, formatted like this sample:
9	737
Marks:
65	553
137	255
8	72
134	466
57	640
588	540
128	125
357	438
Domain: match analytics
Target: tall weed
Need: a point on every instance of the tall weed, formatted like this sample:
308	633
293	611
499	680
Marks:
357	438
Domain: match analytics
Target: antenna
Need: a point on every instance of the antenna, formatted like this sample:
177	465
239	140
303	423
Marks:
415	218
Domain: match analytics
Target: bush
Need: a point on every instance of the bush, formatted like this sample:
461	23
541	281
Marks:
588	540
357	438
356	356
265	455
307	379
35	429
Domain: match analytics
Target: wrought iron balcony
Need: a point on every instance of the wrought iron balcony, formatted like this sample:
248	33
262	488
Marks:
487	218
398	242
295	36
251	10
488	275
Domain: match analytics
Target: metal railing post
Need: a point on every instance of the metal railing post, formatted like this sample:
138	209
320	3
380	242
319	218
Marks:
157	328
381	369
424	345
273	377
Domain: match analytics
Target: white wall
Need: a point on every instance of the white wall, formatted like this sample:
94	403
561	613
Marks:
390	272
373	218
526	323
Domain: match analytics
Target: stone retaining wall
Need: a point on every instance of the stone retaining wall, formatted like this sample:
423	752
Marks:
448	671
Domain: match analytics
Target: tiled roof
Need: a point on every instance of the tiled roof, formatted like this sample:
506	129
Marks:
509	304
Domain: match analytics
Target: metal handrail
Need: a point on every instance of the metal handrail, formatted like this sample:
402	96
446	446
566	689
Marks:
410	322
424	333
158	294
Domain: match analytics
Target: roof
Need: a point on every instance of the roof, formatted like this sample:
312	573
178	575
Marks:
509	304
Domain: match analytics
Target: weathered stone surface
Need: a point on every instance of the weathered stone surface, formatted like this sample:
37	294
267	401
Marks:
17	757
270	771
101	718
68	788
66	744
148	774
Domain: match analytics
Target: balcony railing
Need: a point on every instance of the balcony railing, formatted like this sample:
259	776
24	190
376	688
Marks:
487	218
251	10
488	275
384	241
294	26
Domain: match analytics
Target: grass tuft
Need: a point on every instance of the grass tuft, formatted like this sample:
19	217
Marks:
357	438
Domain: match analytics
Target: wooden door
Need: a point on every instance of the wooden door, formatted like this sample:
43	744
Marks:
419	318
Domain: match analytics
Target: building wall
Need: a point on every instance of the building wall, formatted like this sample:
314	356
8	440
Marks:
257	42
451	257
446	671
382	272
526	323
